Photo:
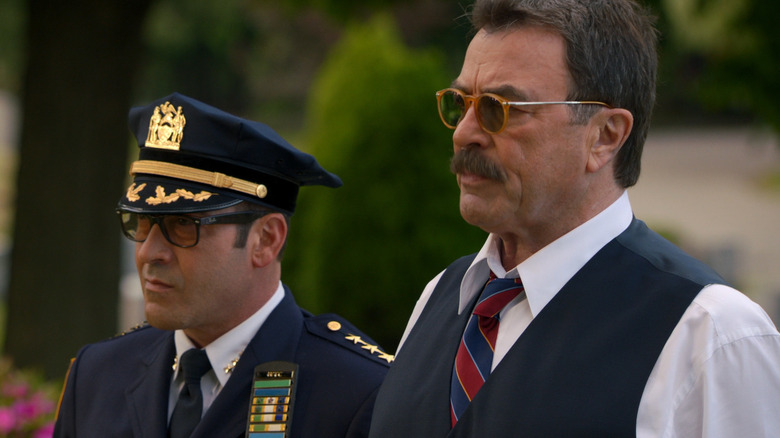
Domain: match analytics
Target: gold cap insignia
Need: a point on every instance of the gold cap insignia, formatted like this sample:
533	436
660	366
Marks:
166	127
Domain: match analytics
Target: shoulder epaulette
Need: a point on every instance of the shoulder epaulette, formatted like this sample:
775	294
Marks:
131	330
340	331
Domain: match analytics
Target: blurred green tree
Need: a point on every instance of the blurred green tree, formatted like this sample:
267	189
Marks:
12	19
366	250
719	62
344	10
80	61
740	70
199	49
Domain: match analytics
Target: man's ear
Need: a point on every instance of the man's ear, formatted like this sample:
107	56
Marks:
267	238
611	129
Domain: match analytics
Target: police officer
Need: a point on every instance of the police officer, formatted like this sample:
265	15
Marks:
226	352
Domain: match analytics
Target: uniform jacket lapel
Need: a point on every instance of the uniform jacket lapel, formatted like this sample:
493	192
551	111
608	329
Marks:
148	395
277	339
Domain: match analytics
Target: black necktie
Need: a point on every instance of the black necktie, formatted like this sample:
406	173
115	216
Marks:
194	363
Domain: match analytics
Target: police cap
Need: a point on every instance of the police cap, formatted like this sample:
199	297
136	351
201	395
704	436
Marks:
194	157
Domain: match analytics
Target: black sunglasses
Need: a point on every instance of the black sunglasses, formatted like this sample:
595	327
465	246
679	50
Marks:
180	230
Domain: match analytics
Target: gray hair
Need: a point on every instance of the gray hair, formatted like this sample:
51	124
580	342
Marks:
611	55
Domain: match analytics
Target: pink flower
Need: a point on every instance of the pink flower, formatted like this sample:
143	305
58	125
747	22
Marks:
14	389
34	407
25	410
27	404
7	420
46	431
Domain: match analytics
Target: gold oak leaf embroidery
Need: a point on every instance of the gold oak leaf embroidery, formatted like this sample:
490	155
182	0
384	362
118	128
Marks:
202	196
161	198
132	192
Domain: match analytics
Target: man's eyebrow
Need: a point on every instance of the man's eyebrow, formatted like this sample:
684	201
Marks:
506	91
509	92
457	86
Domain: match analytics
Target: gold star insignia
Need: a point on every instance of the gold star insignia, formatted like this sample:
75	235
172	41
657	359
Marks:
372	348
388	357
232	365
355	339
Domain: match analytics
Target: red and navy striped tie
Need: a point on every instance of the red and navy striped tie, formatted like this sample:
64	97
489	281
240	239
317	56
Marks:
475	353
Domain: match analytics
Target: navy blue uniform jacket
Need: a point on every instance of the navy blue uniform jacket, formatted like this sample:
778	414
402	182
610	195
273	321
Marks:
119	387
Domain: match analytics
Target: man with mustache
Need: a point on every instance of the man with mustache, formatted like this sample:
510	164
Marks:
227	352
574	319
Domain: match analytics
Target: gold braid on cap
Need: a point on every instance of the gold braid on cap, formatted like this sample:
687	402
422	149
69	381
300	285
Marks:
216	179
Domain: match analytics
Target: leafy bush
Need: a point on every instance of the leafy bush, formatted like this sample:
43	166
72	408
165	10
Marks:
367	249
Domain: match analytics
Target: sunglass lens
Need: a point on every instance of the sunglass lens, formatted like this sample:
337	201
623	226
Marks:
181	230
452	107
134	226
491	113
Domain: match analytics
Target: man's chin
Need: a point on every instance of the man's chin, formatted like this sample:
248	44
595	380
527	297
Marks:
470	212
161	319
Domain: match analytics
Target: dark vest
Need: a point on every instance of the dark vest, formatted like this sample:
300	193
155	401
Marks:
578	370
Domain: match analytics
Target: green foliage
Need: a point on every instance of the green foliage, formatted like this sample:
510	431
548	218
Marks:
366	250
748	78
12	21
200	49
719	60
708	26
340	9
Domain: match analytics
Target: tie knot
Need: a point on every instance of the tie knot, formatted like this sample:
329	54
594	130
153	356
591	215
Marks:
194	364
497	294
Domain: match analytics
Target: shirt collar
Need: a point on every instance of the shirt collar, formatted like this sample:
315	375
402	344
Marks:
548	270
224	351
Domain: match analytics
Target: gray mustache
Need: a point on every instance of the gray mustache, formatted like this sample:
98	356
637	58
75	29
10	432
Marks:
470	160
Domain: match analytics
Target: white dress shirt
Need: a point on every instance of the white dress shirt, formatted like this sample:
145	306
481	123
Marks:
222	353
718	374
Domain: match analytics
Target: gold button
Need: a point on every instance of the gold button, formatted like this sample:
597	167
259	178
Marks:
261	191
334	326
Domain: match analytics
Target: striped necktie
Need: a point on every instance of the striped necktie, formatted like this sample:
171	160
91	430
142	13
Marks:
475	353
